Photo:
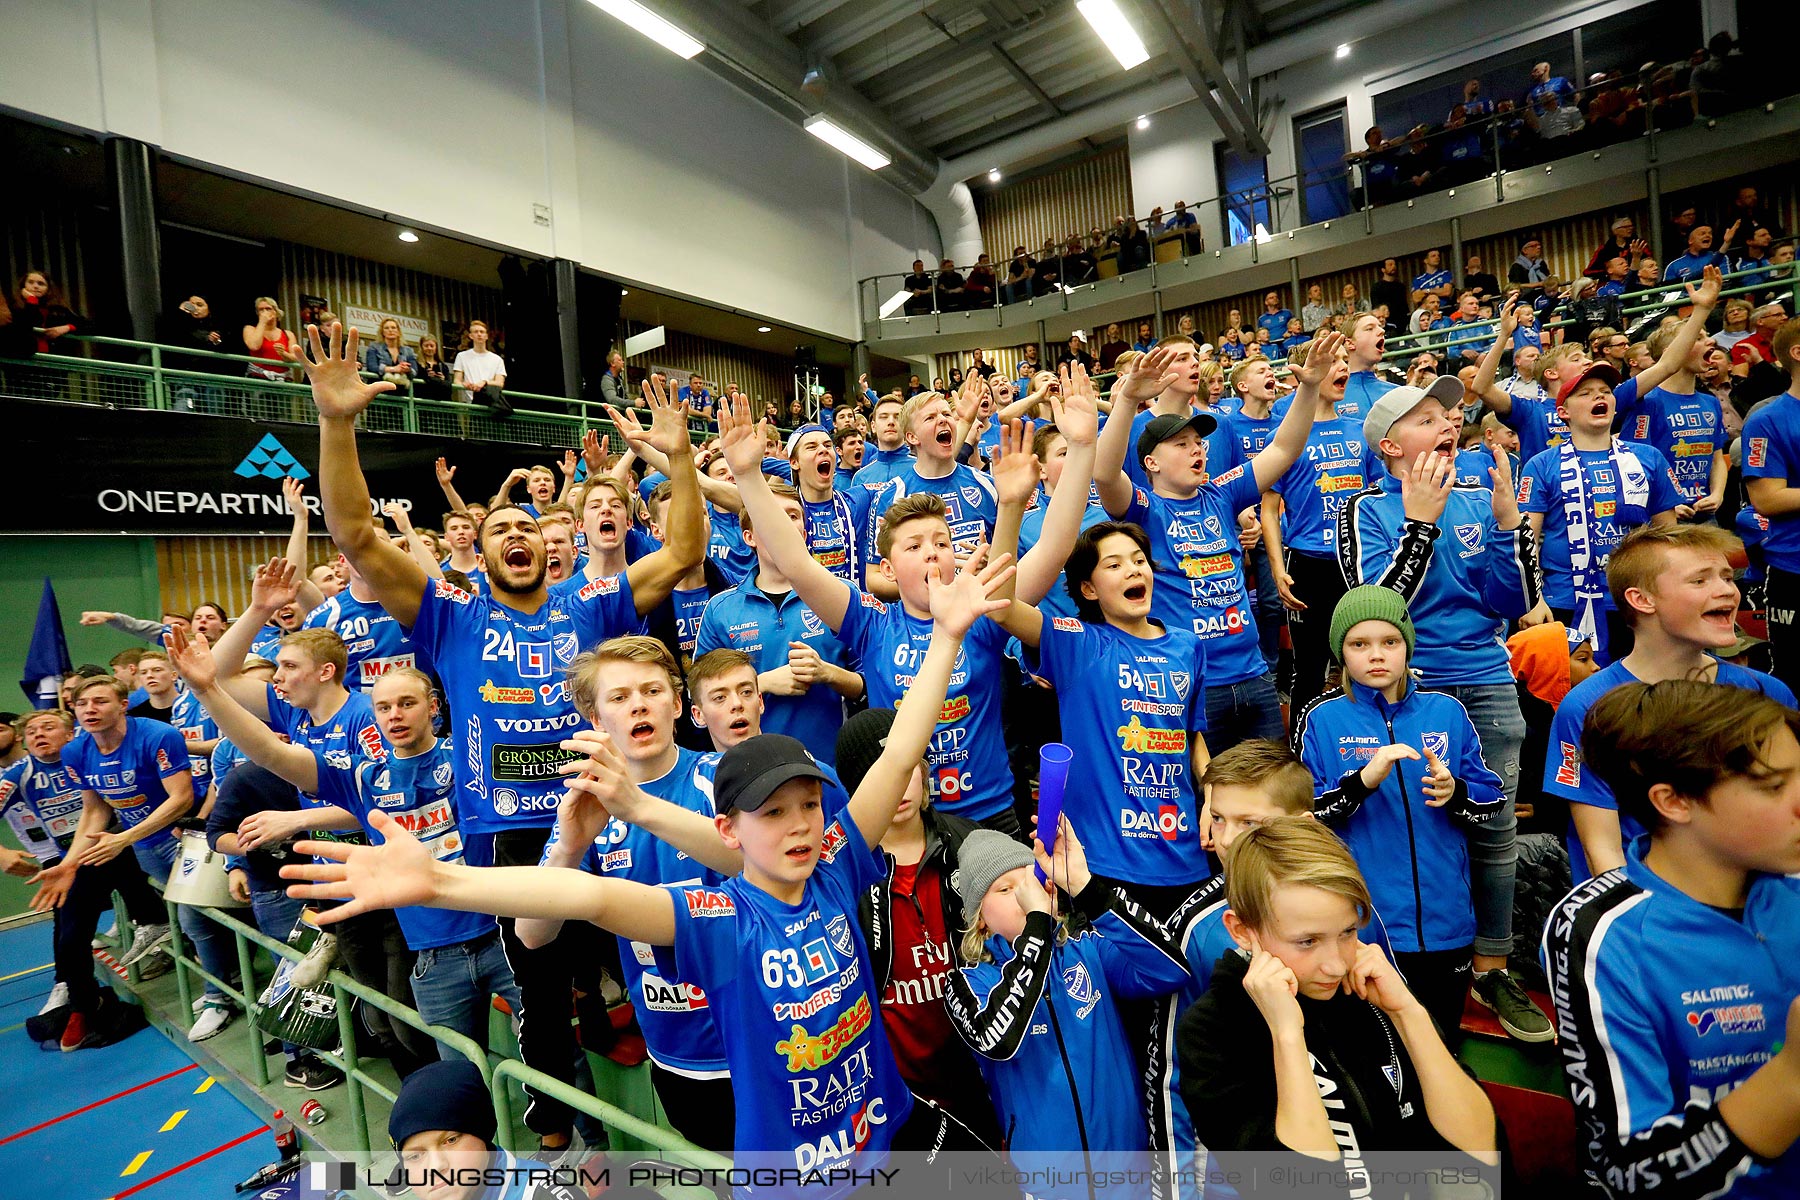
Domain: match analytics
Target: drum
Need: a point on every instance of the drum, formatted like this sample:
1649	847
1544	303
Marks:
199	875
304	1016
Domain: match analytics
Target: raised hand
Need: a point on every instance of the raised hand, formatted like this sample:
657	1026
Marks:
1064	863
96	617
1439	785
668	418
741	440
445	472
335	371
1148	378
193	659
956	605
1015	471
1706	295
395	874
396	512
1425	488
1509	314
1075	406
968	401
1506	496
1321	355
276	585
294	492
595	449
569	459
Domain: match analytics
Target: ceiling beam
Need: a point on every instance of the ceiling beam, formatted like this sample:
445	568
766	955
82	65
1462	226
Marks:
1176	50
1191	43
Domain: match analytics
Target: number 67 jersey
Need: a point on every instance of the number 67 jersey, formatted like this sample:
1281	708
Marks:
505	674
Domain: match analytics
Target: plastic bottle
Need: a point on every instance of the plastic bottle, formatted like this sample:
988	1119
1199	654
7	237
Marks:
287	1141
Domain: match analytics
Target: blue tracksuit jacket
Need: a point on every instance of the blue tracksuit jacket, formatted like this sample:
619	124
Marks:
1663	1006
1463	579
1415	858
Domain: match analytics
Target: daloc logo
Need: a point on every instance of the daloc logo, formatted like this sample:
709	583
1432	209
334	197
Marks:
271	460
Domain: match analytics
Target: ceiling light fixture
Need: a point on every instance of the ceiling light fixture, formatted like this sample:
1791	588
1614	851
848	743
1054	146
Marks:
845	142
1343	50
993	174
893	303
762	329
407	235
1117	32
1143	123
652	26
624	292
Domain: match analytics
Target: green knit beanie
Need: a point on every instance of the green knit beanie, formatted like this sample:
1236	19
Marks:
1369	603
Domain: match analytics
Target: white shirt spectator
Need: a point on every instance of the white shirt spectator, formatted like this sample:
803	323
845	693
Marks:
479	366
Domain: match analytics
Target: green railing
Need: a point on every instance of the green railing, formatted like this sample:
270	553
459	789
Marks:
495	1071
128	374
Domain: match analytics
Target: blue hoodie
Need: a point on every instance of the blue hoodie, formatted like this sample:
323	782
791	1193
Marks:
1415	858
1664	1005
1056	1056
1462	579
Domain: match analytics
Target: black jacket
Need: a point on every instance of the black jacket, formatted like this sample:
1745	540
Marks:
1228	1077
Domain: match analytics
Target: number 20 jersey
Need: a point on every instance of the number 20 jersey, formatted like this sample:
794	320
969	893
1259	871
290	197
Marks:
505	673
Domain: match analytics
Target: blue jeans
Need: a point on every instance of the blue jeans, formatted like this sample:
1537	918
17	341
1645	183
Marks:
1271	614
1494	847
276	915
211	942
1237	712
454	986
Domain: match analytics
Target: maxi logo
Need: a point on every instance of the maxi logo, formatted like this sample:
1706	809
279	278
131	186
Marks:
805	1052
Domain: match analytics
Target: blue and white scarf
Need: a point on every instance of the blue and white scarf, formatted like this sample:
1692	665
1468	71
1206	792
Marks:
1587	567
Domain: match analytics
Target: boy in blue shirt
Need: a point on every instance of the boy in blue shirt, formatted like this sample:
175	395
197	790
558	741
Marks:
1183	397
967	494
1771	449
1581	498
1355	741
1677	979
1464	561
803	669
778	950
1192	517
1367	340
1683	421
1675	588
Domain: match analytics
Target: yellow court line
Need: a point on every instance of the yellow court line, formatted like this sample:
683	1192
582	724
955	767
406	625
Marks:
136	1163
173	1121
26	971
204	1084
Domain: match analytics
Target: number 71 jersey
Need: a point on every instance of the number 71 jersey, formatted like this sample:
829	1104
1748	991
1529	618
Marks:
505	673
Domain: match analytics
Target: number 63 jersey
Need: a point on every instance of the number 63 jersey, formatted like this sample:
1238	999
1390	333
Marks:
505	673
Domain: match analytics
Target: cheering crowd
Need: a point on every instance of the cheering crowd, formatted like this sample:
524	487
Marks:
777	724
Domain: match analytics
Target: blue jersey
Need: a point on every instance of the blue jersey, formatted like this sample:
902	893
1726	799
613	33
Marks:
419	793
1250	433
349	735
1416	859
879	466
970	506
1565	775
1130	709
131	778
1612	510
374	642
745	618
1771	447
1275	322
1200	571
833	537
1462	579
1527	335
690	606
726	545
1689	268
675	1017
1538	425
1752	527
225	756
647	485
1335	465
1472	466
1430	281
42	803
799	1015
1609	289
1557	86
1361	391
1688	427
505	673
1222	452
190	717
478	577
1057	601
1665	1005
268	642
969	774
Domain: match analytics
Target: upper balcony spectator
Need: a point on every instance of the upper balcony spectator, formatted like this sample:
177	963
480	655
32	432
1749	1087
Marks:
192	326
978	288
1315	310
1079	267
1020	273
1479	280
1718	80
1614	108
950	293
390	357
1274	317
1433	280
268	340
1188	226
1415	162
615	384
918	287
1545	85
1049	269
1553	120
1381	178
1699	256
37	303
435	374
1474	104
1134	247
1461	156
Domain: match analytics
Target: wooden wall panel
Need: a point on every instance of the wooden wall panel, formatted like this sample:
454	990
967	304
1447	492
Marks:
1095	191
763	374
218	570
343	280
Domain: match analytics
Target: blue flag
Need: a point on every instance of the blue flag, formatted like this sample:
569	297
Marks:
48	659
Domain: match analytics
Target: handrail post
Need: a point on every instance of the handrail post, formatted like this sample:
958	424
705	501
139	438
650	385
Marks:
250	1009
347	1051
159	388
183	986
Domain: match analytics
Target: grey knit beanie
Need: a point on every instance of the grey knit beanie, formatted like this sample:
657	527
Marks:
984	856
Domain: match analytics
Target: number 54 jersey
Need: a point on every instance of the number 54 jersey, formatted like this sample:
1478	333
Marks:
505	673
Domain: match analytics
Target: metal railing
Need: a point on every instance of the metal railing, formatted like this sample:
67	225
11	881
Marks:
496	1071
130	374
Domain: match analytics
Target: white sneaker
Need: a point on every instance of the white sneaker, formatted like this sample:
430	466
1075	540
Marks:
147	939
214	1016
199	1003
59	996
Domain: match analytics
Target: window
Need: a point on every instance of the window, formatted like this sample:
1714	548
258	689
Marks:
1245	184
1320	140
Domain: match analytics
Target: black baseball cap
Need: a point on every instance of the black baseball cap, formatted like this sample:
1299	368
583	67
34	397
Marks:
751	771
1161	429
